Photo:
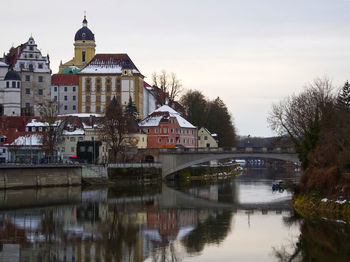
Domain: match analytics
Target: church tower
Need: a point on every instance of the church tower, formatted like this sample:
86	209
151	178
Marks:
84	49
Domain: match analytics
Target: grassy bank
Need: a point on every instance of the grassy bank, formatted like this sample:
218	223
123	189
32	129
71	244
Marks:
313	206
209	173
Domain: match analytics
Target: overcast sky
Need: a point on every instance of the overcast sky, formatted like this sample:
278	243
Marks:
251	53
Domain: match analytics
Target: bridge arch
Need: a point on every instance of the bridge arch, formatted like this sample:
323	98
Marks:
176	161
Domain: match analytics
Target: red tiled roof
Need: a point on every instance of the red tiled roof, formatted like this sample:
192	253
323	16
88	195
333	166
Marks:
13	54
122	60
65	79
146	84
13	122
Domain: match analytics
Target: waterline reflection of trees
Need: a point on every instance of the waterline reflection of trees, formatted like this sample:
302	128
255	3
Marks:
319	240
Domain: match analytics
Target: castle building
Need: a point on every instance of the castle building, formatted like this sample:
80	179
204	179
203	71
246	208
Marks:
84	48
107	76
10	91
35	75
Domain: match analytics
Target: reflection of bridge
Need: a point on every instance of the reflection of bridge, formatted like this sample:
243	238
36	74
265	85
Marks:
171	198
176	159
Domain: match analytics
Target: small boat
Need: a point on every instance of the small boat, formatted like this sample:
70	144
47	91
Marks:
278	186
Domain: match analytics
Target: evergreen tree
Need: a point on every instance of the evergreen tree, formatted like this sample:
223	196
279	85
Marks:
132	109
343	99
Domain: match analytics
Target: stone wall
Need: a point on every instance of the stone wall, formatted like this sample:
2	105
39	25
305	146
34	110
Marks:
17	177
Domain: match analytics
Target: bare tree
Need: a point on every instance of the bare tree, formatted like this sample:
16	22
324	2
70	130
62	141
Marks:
114	129
301	116
169	85
52	133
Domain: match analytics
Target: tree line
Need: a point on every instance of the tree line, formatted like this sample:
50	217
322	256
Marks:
317	122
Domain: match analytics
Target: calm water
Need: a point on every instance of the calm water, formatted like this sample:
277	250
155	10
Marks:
239	220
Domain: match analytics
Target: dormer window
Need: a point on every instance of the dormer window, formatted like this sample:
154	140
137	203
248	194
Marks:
31	48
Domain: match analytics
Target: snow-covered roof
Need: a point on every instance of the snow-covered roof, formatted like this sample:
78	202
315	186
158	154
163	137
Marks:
154	119
109	64
2	64
30	140
75	132
35	123
83	115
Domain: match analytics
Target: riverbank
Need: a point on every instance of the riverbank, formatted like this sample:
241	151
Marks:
310	206
210	173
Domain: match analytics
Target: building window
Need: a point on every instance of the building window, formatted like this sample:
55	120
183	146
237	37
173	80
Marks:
159	140
7	84
13	84
164	130
74	107
83	56
65	107
72	139
118	88
27	105
40	66
31	48
27	91
21	65
184	141
65	98
40	92
55	89
82	148
73	88
31	67
31	55
65	89
156	130
80	138
118	81
18	85
40	79
73	98
87	109
62	149
205	138
27	78
98	109
108	98
98	88
72	149
88	99
118	99
55	98
87	88
98	99
108	88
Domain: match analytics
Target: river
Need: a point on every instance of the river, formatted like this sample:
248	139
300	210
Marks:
237	220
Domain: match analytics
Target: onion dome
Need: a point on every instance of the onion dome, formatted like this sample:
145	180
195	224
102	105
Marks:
12	75
84	33
71	70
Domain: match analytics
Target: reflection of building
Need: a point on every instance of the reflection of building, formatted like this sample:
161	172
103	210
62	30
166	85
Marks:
170	224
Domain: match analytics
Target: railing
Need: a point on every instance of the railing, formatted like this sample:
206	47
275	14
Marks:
266	150
135	165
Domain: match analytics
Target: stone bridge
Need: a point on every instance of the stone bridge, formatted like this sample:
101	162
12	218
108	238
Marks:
175	159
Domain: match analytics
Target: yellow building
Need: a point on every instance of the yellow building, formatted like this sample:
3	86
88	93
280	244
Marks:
107	76
206	139
84	49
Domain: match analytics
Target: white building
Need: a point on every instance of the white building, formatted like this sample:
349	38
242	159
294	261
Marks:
64	90
35	73
10	91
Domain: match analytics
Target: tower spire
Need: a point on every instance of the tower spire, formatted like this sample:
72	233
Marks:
85	21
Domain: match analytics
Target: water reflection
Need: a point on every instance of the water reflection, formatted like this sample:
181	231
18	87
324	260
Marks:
158	223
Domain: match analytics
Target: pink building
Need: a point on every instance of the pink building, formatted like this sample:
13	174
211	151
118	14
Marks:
167	129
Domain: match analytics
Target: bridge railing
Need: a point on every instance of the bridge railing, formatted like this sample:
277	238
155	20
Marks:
267	150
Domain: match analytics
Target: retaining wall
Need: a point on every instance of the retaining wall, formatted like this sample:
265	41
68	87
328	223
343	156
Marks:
40	176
